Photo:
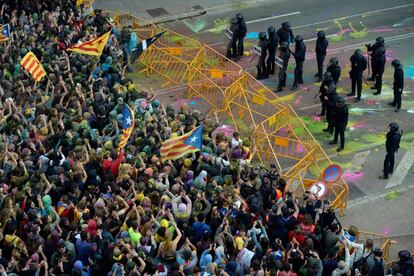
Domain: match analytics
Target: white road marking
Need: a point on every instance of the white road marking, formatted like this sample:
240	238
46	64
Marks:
273	17
403	168
309	107
353	15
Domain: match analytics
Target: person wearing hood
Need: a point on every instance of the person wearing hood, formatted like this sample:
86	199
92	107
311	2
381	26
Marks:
358	66
320	49
201	181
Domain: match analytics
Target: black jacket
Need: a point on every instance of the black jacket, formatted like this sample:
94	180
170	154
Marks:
285	55
300	51
341	115
335	71
272	42
331	104
358	65
285	35
321	46
323	89
398	78
377	52
393	141
242	30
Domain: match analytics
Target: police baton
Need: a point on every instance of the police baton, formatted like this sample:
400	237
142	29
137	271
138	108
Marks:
365	80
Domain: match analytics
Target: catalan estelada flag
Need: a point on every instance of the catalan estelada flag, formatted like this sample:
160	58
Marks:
33	66
128	126
4	32
180	146
92	47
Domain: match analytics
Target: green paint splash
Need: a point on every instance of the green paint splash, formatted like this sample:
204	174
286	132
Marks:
393	195
355	34
195	26
220	25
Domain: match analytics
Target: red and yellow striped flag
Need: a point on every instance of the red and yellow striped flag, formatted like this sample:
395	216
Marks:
92	47
33	66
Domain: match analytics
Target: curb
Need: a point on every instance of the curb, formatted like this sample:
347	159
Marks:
376	196
179	16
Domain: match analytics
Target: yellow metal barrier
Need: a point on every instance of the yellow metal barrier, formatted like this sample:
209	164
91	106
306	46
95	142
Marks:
378	239
278	134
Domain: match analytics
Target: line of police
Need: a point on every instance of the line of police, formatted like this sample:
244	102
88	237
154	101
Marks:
333	105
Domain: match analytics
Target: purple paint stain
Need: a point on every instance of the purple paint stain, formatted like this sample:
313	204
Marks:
352	177
298	100
299	148
316	118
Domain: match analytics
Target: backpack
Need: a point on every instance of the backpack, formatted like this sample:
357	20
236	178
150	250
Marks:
361	262
378	268
256	205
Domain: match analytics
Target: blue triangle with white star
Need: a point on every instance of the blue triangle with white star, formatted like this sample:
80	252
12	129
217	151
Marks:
196	138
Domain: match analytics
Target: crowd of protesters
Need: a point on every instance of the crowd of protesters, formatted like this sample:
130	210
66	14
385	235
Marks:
72	205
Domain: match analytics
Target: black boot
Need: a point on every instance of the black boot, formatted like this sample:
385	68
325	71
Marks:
279	89
259	75
300	80
350	94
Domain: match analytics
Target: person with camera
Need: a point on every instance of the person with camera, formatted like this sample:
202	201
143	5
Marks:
377	53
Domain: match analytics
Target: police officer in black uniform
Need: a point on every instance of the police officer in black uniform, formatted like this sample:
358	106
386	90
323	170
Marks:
392	145
271	48
261	65
334	69
232	46
341	121
398	84
323	91
284	55
358	66
299	55
241	34
330	107
378	63
320	49
285	34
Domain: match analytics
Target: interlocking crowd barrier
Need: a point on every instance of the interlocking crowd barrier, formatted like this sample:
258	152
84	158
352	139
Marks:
277	133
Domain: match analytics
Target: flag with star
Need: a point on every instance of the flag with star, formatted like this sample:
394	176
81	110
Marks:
4	32
92	47
180	146
143	45
128	126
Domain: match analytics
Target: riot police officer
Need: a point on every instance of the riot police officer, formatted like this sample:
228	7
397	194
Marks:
285	34
299	55
320	49
334	69
284	55
330	107
323	91
232	46
378	63
398	85
358	66
261	65
242	31
271	48
340	122
392	145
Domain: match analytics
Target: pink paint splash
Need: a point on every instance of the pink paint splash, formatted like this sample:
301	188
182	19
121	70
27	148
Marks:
371	102
299	148
353	176
386	230
298	100
317	118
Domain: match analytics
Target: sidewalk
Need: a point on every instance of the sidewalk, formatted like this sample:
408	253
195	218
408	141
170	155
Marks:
158	11
388	213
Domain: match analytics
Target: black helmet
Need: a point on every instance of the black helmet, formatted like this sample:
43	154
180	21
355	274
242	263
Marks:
358	52
380	40
394	126
234	21
396	63
239	16
321	34
299	38
327	76
284	44
286	25
262	35
332	88
340	100
333	61
271	29
404	255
